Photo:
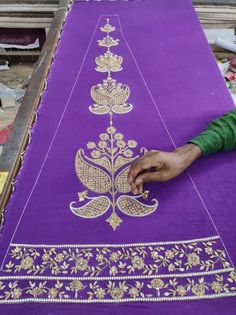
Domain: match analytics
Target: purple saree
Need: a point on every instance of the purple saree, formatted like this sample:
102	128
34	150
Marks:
127	77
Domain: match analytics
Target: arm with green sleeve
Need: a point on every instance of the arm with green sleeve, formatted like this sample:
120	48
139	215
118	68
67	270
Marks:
219	136
162	166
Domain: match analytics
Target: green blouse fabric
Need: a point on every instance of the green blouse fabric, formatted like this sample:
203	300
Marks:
219	136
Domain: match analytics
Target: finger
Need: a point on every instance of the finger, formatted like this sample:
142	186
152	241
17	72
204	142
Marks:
135	169
140	188
134	188
149	177
139	166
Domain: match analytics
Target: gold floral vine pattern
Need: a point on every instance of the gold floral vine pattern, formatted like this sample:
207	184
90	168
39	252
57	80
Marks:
106	260
108	291
105	170
194	269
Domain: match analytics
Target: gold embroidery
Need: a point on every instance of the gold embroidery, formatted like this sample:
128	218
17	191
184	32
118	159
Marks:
121	181
101	161
91	176
119	260
111	273
131	206
114	221
107	28
110	96
94	208
82	195
122	161
108	62
112	153
108	42
77	291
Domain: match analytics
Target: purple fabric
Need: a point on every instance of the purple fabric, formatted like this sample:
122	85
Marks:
173	99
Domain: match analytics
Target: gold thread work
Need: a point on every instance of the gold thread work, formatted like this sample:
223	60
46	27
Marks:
105	169
168	271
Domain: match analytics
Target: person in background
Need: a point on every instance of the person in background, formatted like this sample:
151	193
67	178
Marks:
162	166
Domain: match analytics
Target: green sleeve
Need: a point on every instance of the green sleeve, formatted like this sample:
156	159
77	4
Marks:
220	135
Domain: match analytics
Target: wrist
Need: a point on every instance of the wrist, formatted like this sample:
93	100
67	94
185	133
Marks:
188	153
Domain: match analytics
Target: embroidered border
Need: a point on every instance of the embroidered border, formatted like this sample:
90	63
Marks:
107	273
58	290
125	260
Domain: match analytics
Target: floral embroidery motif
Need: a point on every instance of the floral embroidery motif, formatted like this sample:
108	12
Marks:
108	62
165	271
106	171
88	291
106	260
108	42
107	28
110	155
110	97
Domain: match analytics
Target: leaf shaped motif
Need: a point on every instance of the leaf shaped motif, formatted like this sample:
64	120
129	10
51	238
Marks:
121	181
91	176
99	109
93	209
100	95
132	207
121	161
99	69
122	109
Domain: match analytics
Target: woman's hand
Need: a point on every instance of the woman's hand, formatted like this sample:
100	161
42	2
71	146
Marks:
161	166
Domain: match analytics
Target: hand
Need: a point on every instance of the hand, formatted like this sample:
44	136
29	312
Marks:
161	166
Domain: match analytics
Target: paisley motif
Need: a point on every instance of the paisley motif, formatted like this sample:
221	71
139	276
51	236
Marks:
133	207
91	176
92	209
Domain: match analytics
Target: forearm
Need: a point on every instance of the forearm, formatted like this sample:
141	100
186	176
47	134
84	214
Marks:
219	136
